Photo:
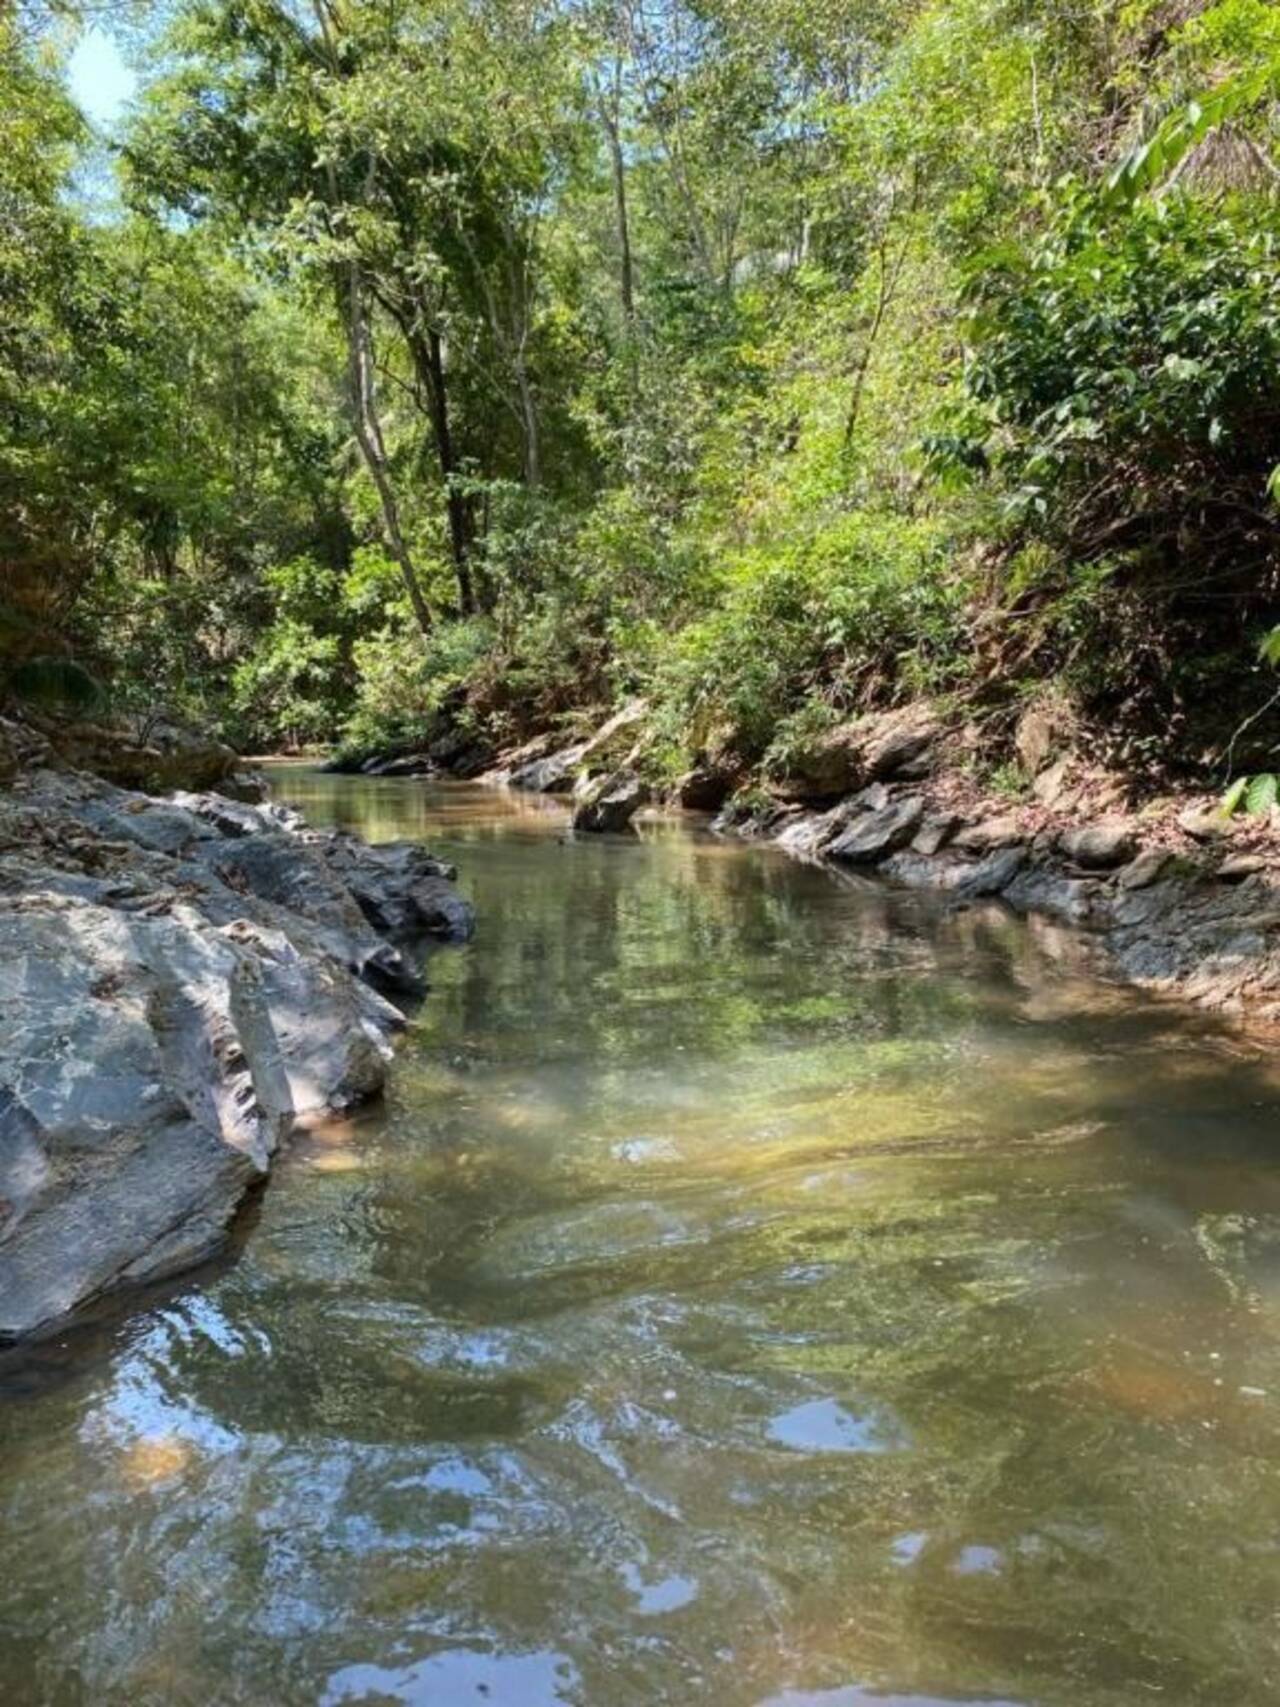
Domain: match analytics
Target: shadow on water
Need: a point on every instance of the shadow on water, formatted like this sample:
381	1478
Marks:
758	1289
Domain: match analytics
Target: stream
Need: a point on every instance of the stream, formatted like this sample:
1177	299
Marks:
759	1289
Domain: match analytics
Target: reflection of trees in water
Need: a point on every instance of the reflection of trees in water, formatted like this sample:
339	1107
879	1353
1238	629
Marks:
690	1137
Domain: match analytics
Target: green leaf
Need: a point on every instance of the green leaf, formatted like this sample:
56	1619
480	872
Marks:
1260	796
1230	801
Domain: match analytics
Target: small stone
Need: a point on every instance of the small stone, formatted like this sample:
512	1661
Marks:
994	873
1236	866
1203	824
1146	869
990	833
936	831
1098	847
876	834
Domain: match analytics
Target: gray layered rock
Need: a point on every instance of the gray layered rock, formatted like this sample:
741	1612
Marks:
179	981
554	774
610	803
1186	925
878	746
877	833
994	874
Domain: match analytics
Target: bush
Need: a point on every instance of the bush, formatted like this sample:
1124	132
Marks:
1126	373
865	610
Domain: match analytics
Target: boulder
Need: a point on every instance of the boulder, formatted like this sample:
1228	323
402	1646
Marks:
1099	847
994	874
142	1092
1076	900
830	764
894	742
554	774
875	834
882	745
610	803
1146	868
179	980
400	888
988	833
936	831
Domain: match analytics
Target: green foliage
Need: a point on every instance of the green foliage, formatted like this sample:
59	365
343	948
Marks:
863	609
487	360
55	684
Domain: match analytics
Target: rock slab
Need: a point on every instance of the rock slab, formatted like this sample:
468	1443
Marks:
179	981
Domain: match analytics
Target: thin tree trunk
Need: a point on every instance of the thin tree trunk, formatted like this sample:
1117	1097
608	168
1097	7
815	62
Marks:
426	348
371	442
611	120
455	501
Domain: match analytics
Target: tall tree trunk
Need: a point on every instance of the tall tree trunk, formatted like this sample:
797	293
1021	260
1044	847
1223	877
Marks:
455	501
369	437
611	118
426	349
529	414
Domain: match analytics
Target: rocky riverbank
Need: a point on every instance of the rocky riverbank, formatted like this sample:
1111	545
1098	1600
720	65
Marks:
181	980
1177	898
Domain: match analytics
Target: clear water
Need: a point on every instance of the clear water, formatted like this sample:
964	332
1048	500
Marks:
758	1289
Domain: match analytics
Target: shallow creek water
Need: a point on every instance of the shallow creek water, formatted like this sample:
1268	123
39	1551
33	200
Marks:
760	1289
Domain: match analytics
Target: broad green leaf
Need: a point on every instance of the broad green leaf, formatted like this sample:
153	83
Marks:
1231	800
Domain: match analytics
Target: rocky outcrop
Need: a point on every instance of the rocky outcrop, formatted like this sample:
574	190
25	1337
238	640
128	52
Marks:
596	759
609	803
1197	920
180	980
555	773
153	753
871	748
874	834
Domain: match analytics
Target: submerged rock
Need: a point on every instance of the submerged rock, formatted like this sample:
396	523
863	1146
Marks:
178	981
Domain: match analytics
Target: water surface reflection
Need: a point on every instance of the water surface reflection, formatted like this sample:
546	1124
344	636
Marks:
759	1289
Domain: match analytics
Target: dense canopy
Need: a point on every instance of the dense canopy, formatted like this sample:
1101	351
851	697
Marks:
771	359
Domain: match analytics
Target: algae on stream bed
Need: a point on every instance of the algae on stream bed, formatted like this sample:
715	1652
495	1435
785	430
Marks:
758	1289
